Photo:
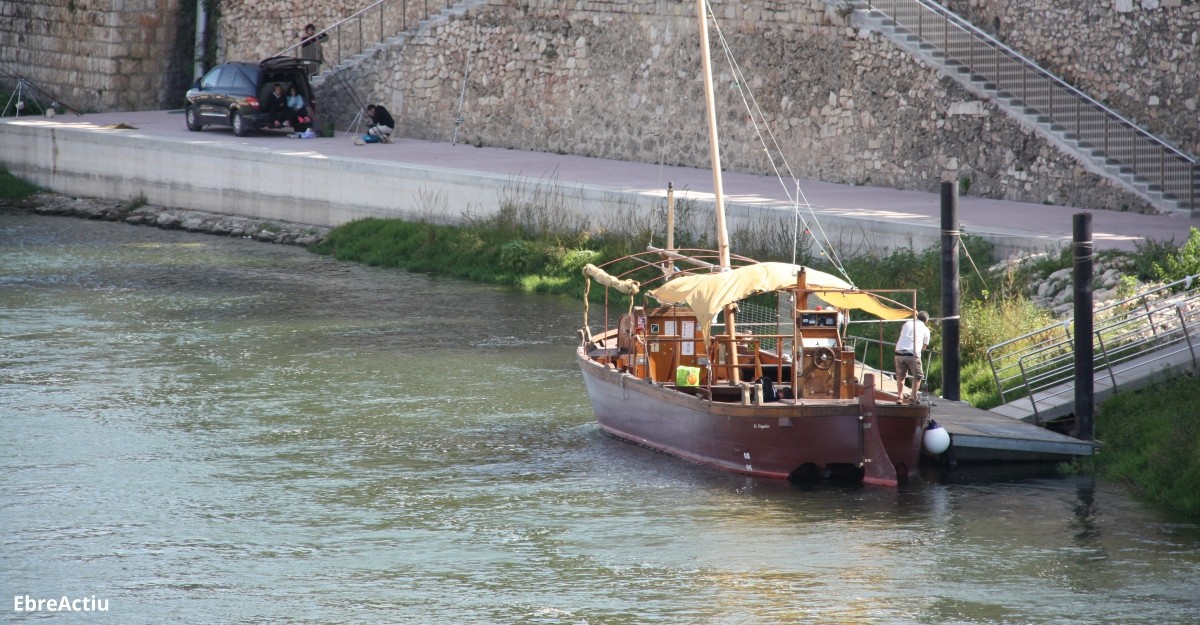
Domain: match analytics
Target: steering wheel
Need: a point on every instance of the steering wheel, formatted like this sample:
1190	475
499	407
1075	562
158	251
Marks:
823	358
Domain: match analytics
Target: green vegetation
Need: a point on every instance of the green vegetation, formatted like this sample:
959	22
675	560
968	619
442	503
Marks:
13	188
1152	443
1182	263
481	252
135	203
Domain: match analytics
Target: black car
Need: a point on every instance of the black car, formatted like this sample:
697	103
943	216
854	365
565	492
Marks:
235	94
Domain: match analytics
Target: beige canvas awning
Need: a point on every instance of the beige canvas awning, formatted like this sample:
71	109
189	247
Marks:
706	294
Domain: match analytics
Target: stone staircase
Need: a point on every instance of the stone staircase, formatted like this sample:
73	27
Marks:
398	38
340	83
1099	138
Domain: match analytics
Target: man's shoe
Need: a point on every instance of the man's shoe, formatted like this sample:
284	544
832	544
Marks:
359	141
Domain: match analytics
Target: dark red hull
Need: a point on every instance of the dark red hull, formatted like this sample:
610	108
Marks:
771	440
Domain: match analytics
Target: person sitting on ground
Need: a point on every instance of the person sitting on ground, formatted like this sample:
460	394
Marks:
299	113
914	336
380	122
277	107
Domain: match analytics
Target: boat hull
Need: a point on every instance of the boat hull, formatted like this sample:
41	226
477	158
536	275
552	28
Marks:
771	440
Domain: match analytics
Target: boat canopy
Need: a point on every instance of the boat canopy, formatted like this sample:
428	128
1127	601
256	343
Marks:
708	293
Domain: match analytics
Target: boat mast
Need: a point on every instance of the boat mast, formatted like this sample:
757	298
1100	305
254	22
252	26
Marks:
713	144
714	147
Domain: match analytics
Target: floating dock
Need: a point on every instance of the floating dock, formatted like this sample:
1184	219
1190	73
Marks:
978	435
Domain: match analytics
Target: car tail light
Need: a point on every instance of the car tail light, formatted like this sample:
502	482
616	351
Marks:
253	102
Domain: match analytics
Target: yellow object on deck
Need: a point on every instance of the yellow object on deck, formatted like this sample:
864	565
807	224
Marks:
687	376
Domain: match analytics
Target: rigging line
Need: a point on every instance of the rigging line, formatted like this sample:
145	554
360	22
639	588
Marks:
967	252
827	249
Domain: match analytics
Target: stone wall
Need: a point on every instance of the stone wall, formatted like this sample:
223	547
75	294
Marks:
622	80
1141	57
99	55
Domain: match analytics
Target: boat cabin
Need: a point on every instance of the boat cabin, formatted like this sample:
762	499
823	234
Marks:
660	343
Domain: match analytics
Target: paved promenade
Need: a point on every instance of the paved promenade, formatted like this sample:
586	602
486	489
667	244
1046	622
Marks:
906	215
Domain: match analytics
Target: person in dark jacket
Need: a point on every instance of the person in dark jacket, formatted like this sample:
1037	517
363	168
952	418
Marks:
380	122
277	107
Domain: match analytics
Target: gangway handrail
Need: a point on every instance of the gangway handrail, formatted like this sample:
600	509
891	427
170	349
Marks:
1130	331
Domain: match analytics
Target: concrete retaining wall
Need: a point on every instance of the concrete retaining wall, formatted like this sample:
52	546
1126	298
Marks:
269	184
281	180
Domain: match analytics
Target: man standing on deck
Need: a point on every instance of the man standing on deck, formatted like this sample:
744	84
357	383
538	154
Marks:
914	337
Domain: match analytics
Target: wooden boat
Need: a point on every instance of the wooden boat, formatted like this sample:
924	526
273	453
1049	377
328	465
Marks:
779	398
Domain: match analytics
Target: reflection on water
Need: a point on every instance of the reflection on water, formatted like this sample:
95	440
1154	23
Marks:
209	430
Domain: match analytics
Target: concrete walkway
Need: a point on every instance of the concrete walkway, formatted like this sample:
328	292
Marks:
339	177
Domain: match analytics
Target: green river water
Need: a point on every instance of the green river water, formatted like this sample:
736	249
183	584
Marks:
208	430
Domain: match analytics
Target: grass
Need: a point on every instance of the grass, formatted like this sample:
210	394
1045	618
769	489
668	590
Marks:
1152	443
13	188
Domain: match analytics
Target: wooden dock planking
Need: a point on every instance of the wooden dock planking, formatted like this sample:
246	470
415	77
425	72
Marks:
981	435
978	435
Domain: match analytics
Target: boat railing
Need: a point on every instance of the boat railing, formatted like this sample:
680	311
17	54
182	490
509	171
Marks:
1141	331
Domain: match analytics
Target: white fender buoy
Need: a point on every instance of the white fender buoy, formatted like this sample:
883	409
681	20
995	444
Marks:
937	439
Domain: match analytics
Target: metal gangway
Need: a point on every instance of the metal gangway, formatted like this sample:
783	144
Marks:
1136	341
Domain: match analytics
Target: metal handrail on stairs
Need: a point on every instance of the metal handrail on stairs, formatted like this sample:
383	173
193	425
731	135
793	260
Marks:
1163	321
1091	124
383	19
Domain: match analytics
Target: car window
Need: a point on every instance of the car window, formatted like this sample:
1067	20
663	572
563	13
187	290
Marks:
227	78
243	84
210	79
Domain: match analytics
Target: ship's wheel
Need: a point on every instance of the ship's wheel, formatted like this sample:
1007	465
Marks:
823	358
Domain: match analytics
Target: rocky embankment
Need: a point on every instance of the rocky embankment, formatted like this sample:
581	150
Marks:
176	219
1111	282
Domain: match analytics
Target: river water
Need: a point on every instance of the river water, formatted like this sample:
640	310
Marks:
209	430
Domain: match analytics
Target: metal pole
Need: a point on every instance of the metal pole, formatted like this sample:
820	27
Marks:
670	216
950	292
201	26
1084	327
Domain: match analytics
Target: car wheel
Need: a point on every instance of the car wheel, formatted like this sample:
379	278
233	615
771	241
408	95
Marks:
193	119
239	124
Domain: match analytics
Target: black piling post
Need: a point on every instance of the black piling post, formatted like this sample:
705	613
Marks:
1084	353
950	293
